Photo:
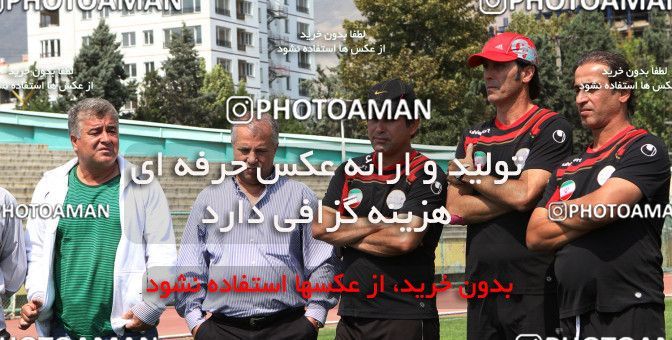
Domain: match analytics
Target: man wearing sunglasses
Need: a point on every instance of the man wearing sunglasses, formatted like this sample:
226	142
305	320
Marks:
526	142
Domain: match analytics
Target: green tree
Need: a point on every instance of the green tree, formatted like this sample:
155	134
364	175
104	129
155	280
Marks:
328	85
182	82
150	103
217	88
657	37
101	64
197	97
36	99
586	31
290	125
241	90
561	41
427	46
654	49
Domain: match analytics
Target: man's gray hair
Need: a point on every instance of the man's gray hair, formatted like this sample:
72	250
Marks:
87	108
253	125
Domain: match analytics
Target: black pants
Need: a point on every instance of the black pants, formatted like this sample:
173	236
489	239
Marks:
351	328
293	328
636	322
58	332
495	317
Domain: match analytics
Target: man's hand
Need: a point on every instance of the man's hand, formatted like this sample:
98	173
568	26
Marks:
134	324
467	162
29	313
195	330
314	322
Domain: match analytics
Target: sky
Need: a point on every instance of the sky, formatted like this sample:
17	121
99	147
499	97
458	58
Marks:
329	16
14	42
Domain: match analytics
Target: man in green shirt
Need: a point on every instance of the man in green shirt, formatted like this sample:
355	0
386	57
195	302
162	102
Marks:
86	266
84	259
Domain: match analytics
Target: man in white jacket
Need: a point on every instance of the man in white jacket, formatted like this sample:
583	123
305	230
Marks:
87	264
12	253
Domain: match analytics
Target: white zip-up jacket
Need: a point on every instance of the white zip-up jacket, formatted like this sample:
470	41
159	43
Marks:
147	245
12	252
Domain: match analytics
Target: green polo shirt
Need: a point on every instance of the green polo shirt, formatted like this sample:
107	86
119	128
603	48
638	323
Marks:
84	256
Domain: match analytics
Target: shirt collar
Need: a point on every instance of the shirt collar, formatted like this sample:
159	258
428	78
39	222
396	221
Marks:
267	187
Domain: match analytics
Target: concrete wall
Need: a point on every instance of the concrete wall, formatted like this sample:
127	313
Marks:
147	139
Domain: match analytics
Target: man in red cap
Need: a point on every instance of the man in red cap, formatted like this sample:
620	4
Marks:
513	155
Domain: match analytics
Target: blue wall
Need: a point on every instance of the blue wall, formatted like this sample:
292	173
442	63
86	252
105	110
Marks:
139	138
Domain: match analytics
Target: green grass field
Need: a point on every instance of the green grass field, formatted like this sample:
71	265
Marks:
455	327
668	317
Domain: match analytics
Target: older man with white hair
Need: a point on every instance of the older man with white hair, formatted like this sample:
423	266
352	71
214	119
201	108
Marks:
254	251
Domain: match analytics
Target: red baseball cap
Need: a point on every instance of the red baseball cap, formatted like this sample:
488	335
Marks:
505	47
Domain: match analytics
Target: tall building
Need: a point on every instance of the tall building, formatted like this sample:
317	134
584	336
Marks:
242	36
13	45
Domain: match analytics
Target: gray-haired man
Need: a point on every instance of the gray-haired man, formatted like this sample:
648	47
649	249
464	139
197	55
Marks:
85	273
254	250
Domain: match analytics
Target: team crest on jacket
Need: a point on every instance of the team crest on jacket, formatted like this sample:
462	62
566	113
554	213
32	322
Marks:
436	188
521	157
649	150
395	199
605	174
567	189
559	136
354	198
